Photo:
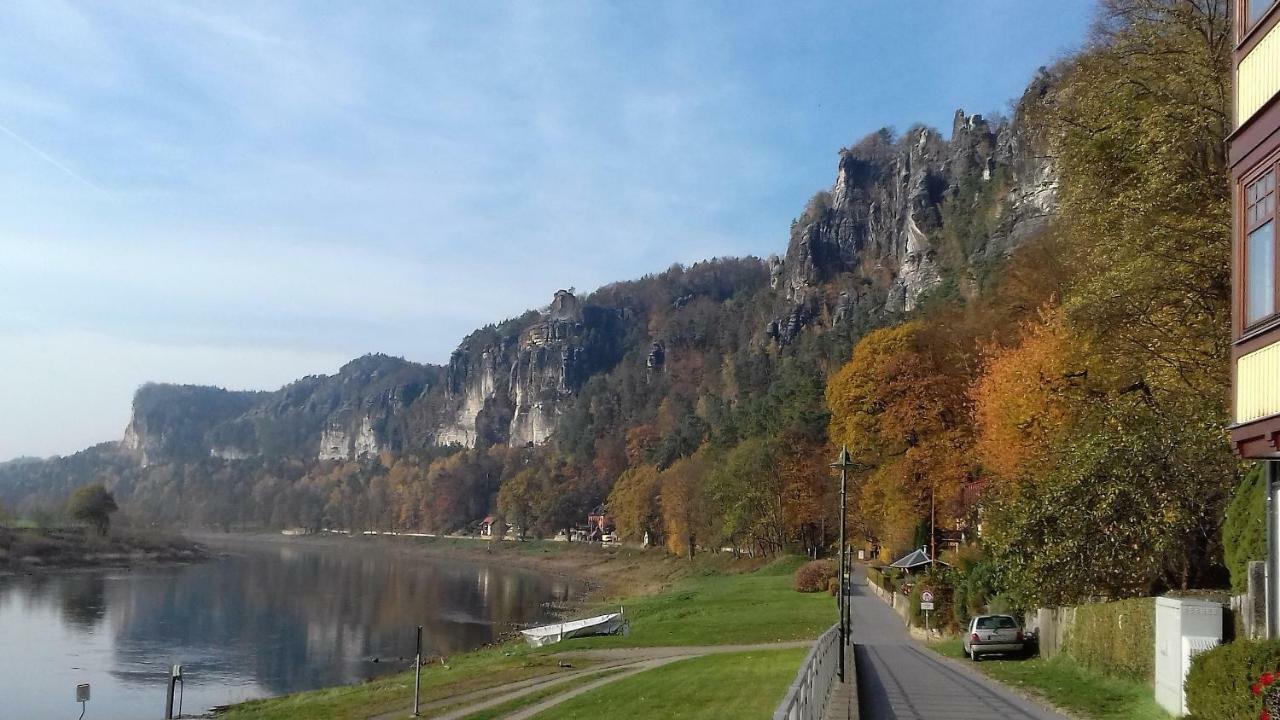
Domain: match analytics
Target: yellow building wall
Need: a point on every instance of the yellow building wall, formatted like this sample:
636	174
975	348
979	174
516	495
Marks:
1258	78
1258	384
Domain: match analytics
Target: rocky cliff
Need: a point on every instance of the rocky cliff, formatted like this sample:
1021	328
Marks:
907	212
907	216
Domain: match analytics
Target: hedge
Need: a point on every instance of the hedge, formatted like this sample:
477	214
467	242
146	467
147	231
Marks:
1115	638
1218	683
811	577
1244	530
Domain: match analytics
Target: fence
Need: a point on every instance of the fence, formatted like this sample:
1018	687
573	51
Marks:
808	692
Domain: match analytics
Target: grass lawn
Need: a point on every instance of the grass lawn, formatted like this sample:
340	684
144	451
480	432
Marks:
1063	682
710	608
730	685
757	607
534	698
491	668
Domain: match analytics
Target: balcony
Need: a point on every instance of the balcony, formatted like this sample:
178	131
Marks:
1258	76
1258	384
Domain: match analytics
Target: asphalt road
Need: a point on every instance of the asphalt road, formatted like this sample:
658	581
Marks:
900	680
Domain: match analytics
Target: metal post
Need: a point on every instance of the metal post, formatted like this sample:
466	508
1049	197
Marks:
417	671
1273	549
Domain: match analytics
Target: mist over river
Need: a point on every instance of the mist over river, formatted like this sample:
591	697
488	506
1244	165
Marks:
259	619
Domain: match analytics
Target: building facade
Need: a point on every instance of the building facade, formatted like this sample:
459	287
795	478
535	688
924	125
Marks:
1254	157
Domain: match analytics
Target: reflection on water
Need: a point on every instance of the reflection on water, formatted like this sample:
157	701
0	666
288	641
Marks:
262	620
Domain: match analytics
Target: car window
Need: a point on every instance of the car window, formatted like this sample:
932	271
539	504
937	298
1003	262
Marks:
1000	622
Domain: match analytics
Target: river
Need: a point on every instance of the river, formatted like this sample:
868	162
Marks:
260	619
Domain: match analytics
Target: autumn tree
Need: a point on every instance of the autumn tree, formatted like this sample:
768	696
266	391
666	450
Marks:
634	503
900	405
686	514
1024	396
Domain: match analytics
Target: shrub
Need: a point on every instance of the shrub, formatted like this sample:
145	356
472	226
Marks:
812	577
1115	638
1219	680
1244	531
833	586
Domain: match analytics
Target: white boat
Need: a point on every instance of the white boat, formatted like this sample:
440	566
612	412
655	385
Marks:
610	624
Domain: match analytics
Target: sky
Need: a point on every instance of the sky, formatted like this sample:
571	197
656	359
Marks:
242	193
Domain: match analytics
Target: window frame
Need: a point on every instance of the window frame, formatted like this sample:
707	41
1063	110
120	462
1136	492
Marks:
1244	226
1244	28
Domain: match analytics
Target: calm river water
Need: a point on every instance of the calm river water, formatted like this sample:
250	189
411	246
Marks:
260	620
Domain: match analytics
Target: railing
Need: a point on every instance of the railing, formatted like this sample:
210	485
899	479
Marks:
808	692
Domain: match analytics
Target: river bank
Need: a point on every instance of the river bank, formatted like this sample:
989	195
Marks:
31	550
680	612
608	572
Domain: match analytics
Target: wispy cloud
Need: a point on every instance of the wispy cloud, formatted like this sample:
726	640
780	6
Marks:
313	181
48	158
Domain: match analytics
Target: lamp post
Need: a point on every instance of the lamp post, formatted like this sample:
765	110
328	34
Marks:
843	463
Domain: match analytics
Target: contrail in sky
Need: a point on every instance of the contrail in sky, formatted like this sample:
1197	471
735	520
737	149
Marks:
49	158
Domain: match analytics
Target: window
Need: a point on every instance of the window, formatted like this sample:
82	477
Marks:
1260	248
1254	10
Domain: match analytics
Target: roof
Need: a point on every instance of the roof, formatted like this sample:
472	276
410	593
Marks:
914	559
488	520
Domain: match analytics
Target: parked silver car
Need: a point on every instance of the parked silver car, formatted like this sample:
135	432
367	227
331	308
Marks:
989	634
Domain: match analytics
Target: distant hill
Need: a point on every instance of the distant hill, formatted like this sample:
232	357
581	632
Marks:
637	371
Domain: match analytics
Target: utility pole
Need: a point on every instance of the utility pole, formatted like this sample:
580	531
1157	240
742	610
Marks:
933	528
1272	474
843	463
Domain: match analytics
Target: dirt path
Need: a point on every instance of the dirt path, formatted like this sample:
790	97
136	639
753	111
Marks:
632	660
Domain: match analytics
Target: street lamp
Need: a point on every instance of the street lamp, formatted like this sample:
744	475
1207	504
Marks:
843	463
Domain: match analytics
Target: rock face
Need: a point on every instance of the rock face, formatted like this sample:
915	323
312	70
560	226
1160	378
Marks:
905	216
172	421
359	411
511	386
902	213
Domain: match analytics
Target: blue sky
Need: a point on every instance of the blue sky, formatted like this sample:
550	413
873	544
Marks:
242	193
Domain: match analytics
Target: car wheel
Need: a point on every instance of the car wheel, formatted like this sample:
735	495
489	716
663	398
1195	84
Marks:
974	655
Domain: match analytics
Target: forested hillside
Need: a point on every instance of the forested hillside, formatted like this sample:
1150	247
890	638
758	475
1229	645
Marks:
1028	315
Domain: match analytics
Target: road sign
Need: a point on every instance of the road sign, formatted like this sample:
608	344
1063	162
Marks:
926	605
926	597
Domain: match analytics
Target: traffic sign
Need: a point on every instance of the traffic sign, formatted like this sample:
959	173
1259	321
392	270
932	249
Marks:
926	596
926	605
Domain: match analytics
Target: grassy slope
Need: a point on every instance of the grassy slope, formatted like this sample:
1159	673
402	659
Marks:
731	685
1066	684
759	607
489	668
706	608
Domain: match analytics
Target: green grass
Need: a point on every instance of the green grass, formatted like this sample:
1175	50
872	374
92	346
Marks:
713	687
757	607
490	668
534	698
1068	685
705	609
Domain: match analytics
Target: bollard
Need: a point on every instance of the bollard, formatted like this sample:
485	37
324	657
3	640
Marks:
417	671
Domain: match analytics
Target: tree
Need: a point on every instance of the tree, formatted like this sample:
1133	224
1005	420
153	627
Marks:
92	504
633	503
1023	397
1142	516
685	513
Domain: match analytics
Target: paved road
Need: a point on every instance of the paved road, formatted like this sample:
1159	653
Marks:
899	680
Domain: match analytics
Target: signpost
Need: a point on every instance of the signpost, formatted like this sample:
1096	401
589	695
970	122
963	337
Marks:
926	604
82	697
